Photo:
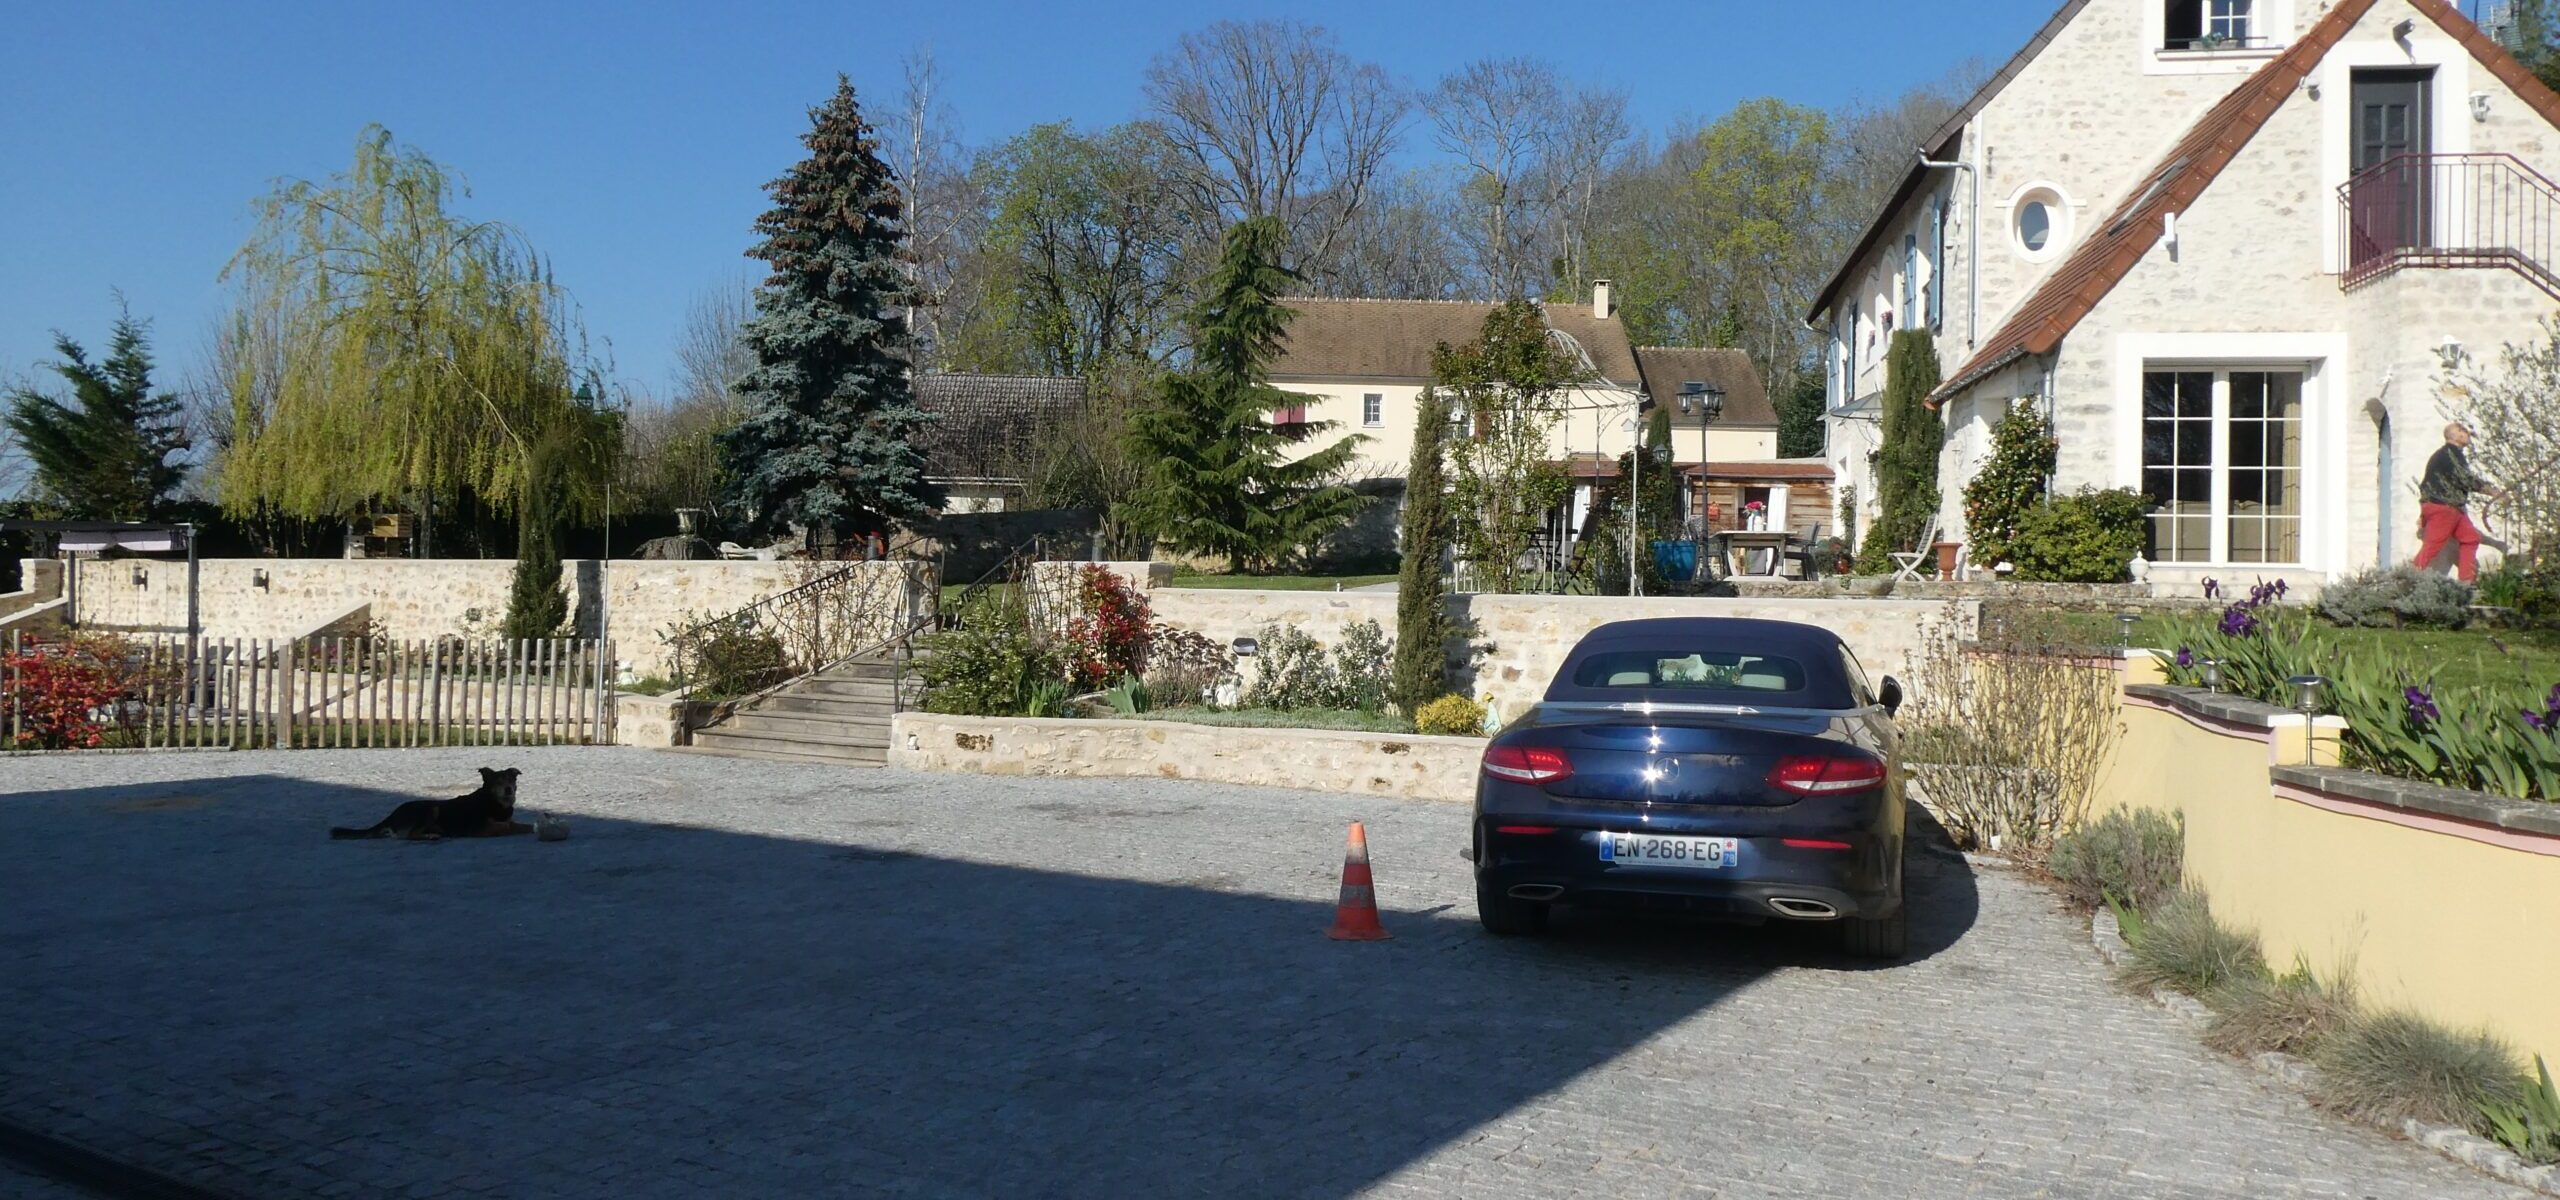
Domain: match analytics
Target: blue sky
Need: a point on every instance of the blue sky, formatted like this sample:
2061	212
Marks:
630	141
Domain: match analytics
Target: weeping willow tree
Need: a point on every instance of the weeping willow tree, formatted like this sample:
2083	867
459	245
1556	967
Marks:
389	353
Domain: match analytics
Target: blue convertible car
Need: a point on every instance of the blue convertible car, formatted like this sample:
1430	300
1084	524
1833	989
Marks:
1727	767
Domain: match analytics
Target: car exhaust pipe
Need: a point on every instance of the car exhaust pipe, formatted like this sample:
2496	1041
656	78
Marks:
1811	910
1535	891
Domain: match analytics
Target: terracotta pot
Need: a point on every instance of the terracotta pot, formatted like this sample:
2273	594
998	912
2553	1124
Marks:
1947	559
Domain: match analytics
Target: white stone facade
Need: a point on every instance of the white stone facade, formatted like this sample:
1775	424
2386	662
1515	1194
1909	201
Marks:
2250	282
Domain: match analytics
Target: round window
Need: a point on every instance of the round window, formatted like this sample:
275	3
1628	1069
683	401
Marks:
2035	225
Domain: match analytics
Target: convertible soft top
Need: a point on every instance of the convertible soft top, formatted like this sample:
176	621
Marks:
1807	665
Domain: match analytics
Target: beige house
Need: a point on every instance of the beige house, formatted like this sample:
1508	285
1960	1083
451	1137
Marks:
2230	247
1363	365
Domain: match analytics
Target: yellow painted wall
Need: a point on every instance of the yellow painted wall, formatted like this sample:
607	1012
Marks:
2462	931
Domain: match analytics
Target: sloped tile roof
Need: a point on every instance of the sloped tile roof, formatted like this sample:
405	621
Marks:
2110	251
1746	398
989	423
2102	261
1941	142
1333	338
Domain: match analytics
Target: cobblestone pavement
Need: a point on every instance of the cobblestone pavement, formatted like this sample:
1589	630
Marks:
752	980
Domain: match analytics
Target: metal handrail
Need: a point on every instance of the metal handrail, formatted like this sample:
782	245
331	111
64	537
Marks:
2482	210
768	613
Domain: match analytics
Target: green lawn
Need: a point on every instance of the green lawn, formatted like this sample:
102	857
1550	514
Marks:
1277	583
2457	660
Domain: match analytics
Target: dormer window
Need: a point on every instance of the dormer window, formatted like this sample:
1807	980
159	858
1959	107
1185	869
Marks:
2211	25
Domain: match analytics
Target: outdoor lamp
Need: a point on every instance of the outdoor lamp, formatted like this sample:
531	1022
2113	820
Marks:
258	578
1703	398
2306	693
1246	647
2124	628
141	577
2213	674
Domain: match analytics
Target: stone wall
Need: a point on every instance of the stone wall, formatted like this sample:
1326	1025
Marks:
40	582
1516	643
1374	764
427	598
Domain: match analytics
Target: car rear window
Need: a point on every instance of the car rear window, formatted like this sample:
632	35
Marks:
1689	671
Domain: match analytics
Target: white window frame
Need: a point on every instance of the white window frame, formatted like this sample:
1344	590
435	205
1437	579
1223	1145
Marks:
2273	20
2060	211
2323	360
1373	410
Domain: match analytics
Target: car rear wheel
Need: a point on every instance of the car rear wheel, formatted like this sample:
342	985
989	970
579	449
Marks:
1878	937
1506	916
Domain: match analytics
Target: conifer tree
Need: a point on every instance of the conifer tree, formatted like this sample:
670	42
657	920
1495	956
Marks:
1422	616
1907	459
826	441
1224	479
105	454
536	607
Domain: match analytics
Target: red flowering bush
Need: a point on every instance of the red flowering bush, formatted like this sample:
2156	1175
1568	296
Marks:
1108	637
55	694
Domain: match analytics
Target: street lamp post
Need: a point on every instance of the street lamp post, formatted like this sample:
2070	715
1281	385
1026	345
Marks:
1706	400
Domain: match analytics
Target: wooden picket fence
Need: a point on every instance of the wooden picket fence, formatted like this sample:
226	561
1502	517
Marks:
320	692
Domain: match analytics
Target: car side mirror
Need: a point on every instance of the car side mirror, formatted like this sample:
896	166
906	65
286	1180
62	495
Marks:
1889	694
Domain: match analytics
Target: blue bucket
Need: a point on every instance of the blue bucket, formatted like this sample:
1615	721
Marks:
1675	561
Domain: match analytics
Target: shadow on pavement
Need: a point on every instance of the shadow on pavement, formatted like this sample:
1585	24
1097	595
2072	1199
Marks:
226	995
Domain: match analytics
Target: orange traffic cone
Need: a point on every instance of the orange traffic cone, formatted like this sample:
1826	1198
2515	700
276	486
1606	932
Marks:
1355	917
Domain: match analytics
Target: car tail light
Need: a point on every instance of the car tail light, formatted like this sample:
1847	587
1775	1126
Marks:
1816	844
1807	775
1527	764
1531	830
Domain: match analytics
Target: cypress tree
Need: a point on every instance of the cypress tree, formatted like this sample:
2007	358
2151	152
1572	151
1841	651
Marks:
1422	615
105	455
826	440
536	607
1223	479
1907	461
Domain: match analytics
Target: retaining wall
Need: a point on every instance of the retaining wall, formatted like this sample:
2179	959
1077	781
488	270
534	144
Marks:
2440	901
427	598
1514	644
1375	764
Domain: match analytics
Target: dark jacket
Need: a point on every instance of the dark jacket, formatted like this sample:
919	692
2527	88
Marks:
2449	479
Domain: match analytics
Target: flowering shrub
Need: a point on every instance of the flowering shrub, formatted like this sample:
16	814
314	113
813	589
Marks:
2494	739
1450	716
1108	637
1186	666
56	693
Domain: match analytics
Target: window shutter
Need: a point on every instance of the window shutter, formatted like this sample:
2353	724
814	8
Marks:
1937	256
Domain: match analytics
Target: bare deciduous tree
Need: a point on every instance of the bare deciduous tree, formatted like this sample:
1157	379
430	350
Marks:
1271	118
1501	117
933	172
1399	248
2514	407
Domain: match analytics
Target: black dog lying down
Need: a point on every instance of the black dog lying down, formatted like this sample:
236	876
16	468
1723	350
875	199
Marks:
484	813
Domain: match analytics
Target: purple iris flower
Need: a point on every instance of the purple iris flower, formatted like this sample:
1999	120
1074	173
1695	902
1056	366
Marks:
2212	588
2422	706
2187	660
2237	621
2280	588
2538	722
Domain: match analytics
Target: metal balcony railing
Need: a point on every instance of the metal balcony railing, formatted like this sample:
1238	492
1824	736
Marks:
2450	211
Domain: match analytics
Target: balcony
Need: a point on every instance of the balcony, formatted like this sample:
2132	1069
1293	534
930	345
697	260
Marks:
2449	211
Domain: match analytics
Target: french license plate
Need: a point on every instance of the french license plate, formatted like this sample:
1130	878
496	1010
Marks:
1658	850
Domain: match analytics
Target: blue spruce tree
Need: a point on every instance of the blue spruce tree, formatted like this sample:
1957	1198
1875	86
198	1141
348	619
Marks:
827	441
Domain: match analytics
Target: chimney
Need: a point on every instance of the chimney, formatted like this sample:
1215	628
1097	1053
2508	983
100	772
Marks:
1601	305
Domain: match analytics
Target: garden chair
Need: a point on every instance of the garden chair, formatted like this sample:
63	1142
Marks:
1907	563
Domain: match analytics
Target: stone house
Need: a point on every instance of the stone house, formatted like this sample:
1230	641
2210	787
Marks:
2230	246
1363	365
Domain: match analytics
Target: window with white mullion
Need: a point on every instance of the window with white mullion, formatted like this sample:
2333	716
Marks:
2222	464
2227	20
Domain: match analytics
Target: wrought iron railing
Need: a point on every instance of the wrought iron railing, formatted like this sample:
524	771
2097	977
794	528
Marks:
842	611
2450	211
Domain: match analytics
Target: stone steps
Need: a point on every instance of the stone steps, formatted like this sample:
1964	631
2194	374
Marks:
839	717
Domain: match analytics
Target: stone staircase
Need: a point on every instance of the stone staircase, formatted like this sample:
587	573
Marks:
838	716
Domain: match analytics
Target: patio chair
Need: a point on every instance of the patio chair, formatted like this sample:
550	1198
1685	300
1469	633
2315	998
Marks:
1906	563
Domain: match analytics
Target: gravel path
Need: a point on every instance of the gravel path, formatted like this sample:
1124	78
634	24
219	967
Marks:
744	979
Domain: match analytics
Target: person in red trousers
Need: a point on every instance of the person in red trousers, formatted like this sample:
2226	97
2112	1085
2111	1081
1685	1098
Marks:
2444	500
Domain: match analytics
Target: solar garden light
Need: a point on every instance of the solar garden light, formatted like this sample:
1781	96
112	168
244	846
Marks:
2213	674
2306	700
1245	647
2124	629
